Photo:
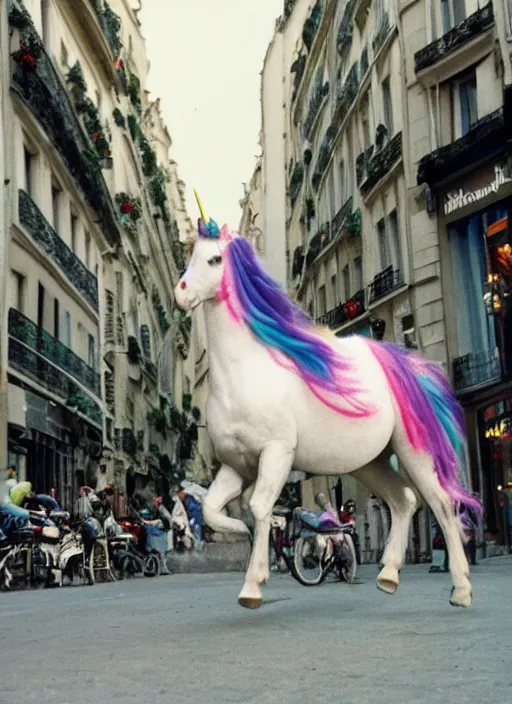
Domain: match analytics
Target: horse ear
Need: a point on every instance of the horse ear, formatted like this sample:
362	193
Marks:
225	235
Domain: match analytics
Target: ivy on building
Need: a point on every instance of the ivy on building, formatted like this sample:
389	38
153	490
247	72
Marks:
119	118
161	313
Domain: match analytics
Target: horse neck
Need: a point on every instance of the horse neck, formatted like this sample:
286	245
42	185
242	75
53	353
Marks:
229	342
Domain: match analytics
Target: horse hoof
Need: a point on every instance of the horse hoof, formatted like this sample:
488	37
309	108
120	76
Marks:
387	581
461	596
250	602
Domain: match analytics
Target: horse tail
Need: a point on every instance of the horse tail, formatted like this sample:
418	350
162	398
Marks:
432	418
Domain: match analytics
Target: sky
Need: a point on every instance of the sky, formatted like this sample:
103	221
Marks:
206	58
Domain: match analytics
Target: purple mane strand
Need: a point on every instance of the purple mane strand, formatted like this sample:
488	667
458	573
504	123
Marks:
255	299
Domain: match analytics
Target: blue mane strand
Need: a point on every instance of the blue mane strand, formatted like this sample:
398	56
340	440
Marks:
274	319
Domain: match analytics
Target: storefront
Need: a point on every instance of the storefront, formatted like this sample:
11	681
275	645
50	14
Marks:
477	281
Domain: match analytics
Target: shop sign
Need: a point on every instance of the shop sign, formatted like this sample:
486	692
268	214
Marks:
458	199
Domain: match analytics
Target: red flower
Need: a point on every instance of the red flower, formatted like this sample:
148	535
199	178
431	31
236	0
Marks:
96	136
351	309
127	208
25	57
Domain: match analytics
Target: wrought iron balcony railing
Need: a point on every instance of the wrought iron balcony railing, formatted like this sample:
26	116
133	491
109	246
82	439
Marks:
381	163
485	138
43	233
26	331
42	90
385	282
343	313
110	24
45	374
471	27
476	369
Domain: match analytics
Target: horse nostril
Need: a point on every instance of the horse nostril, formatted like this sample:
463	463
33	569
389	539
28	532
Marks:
183	284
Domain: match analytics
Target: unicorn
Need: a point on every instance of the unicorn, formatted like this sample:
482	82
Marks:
286	394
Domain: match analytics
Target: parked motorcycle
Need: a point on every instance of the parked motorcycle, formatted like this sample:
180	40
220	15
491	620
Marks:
138	555
324	545
28	550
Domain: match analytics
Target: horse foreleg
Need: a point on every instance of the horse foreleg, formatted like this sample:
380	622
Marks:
226	486
274	468
381	480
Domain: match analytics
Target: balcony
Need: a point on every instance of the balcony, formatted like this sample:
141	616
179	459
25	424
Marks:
32	365
320	90
384	283
344	312
381	34
487	137
345	31
381	163
341	217
110	24
298	68
475	24
42	91
26	331
346	96
296	180
32	219
324	156
476	369
312	24
320	240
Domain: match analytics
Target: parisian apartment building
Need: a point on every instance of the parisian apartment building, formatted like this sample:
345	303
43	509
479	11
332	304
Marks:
380	201
102	380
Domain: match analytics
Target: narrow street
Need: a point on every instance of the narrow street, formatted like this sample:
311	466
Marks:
185	639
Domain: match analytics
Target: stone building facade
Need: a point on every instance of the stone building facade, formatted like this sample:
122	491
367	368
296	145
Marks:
95	231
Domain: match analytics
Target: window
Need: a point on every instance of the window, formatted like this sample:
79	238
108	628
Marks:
87	250
346	283
40	305
365	121
332	194
350	164
358	274
388	105
56	195
74	231
29	160
64	56
56	318
453	12
334	290
91	353
395	243
322	302
67	330
45	19
342	181
18	292
383	245
80	332
465	95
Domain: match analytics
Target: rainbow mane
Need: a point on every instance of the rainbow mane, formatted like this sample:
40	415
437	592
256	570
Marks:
294	341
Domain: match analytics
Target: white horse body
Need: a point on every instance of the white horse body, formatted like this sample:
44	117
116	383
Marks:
276	405
264	421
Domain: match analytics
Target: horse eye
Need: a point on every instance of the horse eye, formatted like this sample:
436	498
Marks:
215	260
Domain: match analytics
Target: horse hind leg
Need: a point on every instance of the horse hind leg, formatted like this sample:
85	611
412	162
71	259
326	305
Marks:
380	479
421	470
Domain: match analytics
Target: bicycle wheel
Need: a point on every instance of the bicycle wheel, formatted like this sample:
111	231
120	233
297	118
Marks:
151	566
308	567
347	560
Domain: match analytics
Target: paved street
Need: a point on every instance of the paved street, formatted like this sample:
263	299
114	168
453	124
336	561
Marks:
185	639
